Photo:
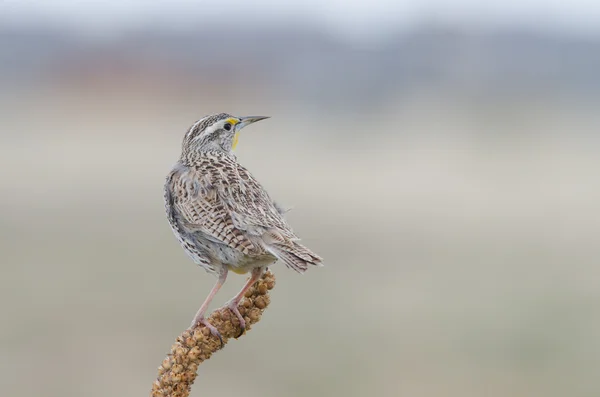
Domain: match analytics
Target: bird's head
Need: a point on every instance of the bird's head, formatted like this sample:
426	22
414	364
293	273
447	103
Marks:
217	132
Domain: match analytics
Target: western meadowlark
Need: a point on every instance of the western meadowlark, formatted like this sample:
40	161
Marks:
223	218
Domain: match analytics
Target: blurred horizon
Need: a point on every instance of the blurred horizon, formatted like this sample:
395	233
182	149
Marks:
444	162
300	63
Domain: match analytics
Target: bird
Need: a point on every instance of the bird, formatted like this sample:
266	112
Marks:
223	217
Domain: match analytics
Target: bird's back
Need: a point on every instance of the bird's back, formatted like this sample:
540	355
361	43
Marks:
215	205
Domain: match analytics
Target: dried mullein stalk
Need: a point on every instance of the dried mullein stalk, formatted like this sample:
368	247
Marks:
177	372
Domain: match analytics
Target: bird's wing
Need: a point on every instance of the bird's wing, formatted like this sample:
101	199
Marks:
221	199
254	212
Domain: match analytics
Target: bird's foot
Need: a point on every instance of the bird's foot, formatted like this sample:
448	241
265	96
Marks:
233	306
213	330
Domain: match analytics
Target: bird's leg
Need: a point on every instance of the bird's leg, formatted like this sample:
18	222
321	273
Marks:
199	318
233	303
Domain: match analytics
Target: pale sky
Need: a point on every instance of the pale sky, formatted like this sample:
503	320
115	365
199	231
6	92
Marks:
343	17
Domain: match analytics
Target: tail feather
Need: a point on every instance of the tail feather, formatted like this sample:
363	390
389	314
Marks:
296	256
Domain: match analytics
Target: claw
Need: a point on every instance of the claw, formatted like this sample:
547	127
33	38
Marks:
213	330
233	306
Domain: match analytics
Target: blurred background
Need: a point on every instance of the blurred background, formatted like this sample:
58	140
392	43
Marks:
442	156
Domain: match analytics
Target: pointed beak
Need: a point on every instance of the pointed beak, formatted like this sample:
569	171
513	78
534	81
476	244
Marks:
244	121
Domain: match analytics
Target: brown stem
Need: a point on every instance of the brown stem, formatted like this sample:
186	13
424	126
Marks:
177	372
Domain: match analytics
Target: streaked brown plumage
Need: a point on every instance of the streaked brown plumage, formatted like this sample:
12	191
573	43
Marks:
222	216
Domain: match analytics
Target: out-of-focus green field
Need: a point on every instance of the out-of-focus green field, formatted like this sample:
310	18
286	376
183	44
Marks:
460	240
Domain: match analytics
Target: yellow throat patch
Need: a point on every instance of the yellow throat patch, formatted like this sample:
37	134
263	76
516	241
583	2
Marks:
237	134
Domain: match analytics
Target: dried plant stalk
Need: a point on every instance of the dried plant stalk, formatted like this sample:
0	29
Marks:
177	372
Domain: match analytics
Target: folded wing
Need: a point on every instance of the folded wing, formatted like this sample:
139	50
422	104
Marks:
224	201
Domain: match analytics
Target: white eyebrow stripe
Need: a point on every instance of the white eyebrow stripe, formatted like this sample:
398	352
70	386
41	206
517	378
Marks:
193	127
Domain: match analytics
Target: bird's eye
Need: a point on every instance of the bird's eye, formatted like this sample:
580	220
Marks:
227	126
